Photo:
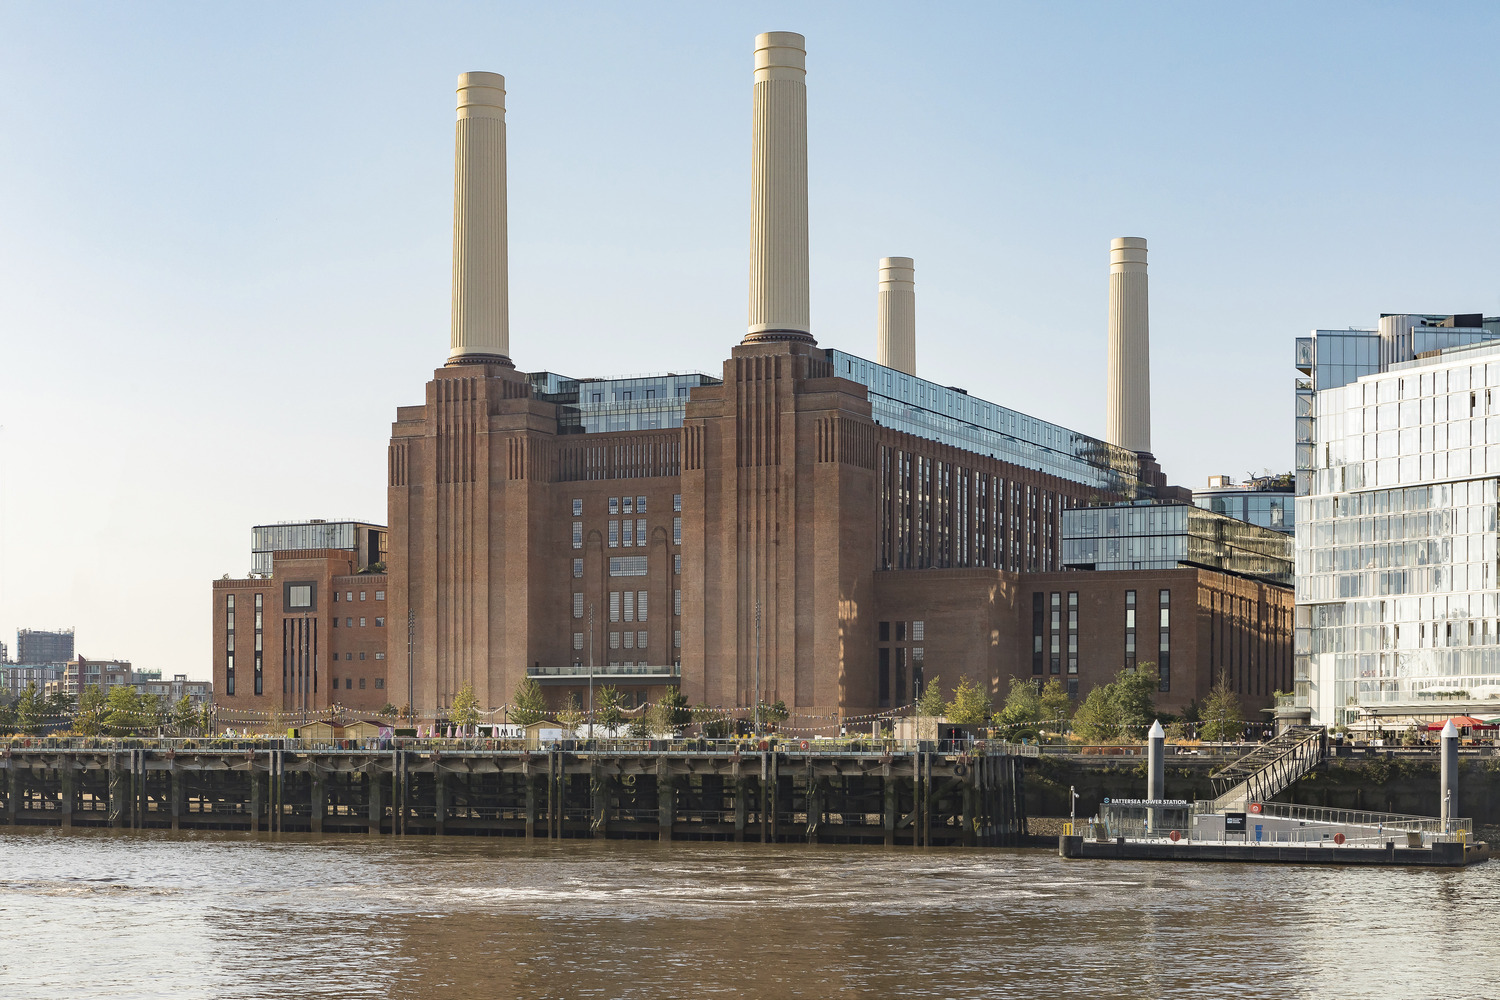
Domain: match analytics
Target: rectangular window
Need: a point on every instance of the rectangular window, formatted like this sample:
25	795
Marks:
629	640
577	640
885	677
577	507
640	505
627	505
361	683
630	605
640	531
577	534
614	605
349	622
614	640
349	595
640	641
335	597
229	602
379	595
676	602
677	639
335	621
379	681
379	656
676	531
918	631
614	505
640	606
627	566
629	538
677	565
299	596
900	675
577	605
380	623
577	569
1036	632
361	595
361	623
1166	617
677	501
614	534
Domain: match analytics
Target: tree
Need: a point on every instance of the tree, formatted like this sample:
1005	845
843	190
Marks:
29	710
1098	718
970	705
640	726
89	719
931	701
184	714
1223	718
673	712
1134	695
153	710
388	709
123	710
531	704
1022	710
1057	706
773	715
611	715
465	711
570	715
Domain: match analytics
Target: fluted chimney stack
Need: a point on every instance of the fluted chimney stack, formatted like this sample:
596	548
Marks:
481	284
778	191
1128	395
896	315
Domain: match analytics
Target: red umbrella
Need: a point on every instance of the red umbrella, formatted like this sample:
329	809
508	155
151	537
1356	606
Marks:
1460	722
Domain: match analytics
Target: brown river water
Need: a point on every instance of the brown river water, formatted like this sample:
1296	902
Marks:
157	915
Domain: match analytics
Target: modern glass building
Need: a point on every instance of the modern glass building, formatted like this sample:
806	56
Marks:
369	540
1146	535
1398	601
1267	501
899	401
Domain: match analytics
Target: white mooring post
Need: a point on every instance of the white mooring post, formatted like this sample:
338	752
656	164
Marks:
1156	741
1449	774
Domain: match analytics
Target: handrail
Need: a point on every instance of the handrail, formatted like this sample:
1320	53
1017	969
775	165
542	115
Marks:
814	747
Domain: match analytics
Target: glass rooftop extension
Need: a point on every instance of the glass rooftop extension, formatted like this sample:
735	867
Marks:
951	416
899	401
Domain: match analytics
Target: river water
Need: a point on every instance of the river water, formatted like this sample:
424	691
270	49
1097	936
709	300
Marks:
157	915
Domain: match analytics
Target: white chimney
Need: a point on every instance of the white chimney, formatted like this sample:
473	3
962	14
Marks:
778	191
1128	395
481	285
896	315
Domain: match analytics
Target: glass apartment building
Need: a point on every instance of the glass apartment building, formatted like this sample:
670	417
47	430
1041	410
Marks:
1267	502
1148	535
1398	468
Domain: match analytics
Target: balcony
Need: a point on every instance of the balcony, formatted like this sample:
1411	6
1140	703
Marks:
579	674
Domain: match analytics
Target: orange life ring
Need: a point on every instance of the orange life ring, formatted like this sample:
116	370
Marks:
804	744
1255	807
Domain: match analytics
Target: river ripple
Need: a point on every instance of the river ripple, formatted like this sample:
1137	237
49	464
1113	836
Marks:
156	915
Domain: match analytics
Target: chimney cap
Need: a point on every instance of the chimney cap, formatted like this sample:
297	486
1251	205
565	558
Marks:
781	50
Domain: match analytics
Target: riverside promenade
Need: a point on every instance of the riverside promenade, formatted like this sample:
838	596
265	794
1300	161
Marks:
918	794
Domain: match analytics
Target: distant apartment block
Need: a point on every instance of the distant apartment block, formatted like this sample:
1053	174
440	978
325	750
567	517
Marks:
40	646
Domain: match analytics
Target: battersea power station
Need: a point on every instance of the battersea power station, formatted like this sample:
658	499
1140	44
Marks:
811	527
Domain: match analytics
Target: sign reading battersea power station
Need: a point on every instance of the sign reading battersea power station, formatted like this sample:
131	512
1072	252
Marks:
839	528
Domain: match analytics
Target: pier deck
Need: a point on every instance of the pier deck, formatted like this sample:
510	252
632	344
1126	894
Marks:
1442	854
971	796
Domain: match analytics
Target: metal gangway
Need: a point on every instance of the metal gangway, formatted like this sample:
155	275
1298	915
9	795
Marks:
1269	768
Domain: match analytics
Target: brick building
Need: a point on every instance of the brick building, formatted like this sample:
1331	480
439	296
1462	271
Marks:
808	516
310	636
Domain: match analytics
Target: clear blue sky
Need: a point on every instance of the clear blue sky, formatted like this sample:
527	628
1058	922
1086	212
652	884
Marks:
225	232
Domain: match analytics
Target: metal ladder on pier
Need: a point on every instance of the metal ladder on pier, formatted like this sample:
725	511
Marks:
1269	768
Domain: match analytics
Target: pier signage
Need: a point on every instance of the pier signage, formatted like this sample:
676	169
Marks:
1234	822
1154	803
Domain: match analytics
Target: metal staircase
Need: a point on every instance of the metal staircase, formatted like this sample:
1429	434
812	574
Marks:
1270	767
